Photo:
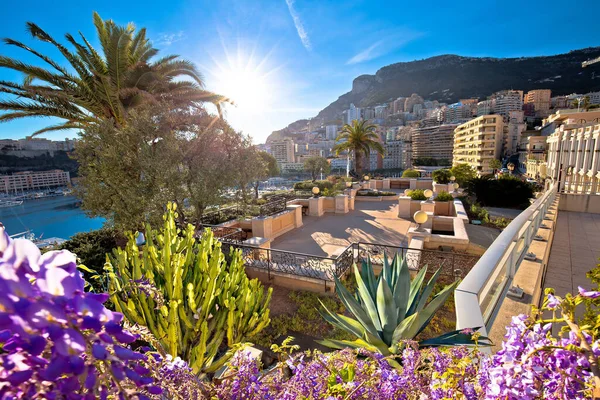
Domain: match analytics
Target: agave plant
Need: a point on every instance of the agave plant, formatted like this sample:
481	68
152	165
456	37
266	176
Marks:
390	309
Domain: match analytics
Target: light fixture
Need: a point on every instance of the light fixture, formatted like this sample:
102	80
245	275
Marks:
420	218
407	192
428	193
456	186
315	191
452	178
348	185
140	240
367	178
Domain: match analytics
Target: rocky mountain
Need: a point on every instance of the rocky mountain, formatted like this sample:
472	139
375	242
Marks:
448	78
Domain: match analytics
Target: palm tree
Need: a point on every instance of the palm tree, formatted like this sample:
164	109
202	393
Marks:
100	84
359	139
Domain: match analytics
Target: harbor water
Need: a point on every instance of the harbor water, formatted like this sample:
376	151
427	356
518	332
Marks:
48	217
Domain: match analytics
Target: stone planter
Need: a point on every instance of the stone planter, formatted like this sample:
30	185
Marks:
439	187
443	208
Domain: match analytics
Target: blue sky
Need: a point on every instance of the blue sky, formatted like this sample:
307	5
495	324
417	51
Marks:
287	59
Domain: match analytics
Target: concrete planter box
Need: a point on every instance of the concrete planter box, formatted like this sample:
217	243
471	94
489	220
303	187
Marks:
407	207
444	208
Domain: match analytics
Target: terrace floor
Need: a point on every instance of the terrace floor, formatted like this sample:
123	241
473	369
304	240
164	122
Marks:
575	250
329	235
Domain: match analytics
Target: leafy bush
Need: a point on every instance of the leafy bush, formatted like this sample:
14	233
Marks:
411	173
509	192
374	193
418	194
500	222
308	185
192	298
463	173
444	196
479	213
441	175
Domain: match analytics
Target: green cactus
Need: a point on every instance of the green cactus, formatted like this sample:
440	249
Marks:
391	309
188	296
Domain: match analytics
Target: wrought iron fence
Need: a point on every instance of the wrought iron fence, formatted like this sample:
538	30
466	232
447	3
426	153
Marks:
455	265
220	215
273	207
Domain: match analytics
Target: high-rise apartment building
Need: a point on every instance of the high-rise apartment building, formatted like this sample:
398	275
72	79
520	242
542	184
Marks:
397	106
353	113
409	103
541	100
397	154
478	141
506	101
513	128
331	132
433	142
485	107
381	111
33	180
283	151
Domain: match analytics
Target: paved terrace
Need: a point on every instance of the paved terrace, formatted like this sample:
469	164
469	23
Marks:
330	234
575	250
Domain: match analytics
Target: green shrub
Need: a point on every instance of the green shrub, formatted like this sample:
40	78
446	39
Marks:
308	185
418	194
374	193
509	192
411	173
500	222
463	173
441	175
195	300
444	196
480	213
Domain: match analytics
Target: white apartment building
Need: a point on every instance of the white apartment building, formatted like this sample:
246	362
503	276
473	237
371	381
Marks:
478	141
283	151
594	97
340	163
33	180
397	155
289	168
485	107
353	113
506	101
574	157
331	132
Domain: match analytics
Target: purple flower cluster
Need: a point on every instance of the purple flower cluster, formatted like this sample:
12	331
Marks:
532	364
349	374
58	341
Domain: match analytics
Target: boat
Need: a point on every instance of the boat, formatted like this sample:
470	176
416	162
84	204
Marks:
10	203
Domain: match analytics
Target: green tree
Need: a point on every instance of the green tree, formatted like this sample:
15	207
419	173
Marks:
495	165
441	175
316	165
463	173
159	157
271	169
359	139
194	300
98	84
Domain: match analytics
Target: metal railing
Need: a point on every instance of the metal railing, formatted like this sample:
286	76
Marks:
454	265
481	292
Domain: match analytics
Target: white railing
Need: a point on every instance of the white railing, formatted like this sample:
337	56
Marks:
481	292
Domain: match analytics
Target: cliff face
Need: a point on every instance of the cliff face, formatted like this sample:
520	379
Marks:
448	78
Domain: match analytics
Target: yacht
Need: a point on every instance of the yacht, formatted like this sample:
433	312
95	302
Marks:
10	203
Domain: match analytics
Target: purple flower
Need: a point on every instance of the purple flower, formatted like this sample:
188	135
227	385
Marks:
589	294
553	302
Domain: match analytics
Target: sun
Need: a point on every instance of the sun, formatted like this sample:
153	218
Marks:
247	87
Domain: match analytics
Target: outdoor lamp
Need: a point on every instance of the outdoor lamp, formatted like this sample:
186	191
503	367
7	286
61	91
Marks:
140	240
428	193
420	217
511	167
452	178
407	192
315	191
367	178
456	186
348	185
